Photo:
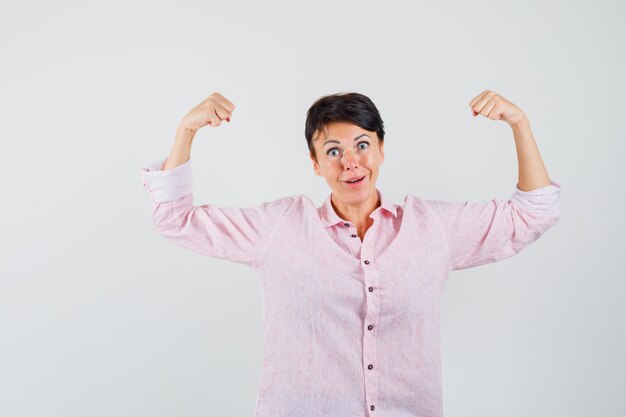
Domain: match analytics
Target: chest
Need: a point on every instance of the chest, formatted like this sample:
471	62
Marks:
309	269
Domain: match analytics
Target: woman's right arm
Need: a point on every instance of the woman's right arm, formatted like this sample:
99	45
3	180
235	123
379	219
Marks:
210	111
181	148
232	233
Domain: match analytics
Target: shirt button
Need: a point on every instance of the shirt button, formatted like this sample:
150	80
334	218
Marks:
367	262
371	289
372	407
370	327
353	235
370	366
347	224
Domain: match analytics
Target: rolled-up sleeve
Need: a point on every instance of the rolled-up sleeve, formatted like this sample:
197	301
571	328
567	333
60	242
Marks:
231	233
481	233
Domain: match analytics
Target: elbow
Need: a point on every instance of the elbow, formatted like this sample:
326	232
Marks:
528	226
165	219
171	214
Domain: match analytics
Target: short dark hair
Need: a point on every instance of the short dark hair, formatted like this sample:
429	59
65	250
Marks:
349	107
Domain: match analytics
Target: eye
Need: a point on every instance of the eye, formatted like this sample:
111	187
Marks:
366	143
331	150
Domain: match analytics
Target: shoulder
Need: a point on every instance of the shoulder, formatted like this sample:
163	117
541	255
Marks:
282	204
291	203
413	203
301	203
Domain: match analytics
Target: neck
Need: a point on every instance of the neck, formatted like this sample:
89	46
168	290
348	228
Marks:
358	214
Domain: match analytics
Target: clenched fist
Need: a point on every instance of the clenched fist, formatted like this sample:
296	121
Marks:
211	111
496	107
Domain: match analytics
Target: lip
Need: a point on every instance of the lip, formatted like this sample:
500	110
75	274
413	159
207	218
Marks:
356	184
354	178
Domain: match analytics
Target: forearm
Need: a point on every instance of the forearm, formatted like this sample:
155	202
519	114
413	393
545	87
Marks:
532	173
181	148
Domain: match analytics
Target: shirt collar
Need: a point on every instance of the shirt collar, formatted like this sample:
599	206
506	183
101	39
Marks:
330	218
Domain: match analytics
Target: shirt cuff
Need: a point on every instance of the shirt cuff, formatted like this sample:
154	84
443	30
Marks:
544	199
169	185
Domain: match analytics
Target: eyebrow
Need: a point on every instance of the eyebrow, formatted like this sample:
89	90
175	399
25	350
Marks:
336	141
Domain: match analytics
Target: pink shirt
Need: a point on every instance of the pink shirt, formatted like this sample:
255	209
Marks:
351	328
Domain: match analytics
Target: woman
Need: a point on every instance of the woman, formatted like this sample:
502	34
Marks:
351	289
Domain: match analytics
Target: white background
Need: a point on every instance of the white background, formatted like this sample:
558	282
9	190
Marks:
100	316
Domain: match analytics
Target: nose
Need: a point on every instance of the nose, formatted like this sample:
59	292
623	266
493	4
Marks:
349	161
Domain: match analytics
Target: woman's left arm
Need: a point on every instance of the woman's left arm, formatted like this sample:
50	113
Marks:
481	233
532	172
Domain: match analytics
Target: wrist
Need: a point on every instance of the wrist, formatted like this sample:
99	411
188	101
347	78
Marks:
185	134
520	124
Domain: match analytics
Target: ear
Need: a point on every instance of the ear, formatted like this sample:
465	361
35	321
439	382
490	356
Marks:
316	167
382	152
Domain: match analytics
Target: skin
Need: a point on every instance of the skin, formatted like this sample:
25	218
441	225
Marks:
340	157
211	111
532	173
354	159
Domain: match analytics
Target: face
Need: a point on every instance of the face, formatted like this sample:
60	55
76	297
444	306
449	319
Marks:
345	151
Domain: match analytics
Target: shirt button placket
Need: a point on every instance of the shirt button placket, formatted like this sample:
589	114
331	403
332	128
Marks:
352	234
369	342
